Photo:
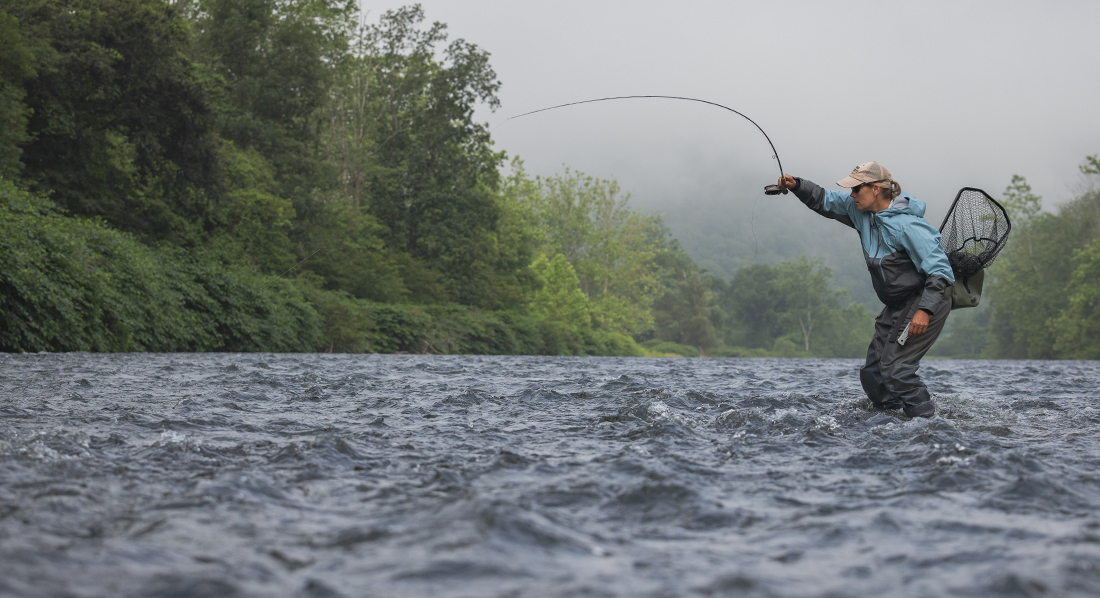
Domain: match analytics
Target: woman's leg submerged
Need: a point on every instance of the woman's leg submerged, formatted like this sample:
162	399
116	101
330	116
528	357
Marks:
870	375
889	376
899	365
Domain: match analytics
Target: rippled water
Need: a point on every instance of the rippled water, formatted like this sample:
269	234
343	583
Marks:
326	475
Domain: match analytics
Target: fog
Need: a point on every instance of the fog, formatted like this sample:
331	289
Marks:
944	94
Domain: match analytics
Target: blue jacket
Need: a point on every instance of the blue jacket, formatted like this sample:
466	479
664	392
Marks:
901	248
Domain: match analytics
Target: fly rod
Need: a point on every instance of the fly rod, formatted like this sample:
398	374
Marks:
768	190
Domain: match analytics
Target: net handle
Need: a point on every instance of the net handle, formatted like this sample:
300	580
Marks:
995	242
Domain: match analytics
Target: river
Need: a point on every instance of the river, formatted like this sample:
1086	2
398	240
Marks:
191	475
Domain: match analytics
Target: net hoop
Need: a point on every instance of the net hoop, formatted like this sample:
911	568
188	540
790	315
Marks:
974	231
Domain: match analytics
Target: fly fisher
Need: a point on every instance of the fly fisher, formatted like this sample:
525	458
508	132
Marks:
909	270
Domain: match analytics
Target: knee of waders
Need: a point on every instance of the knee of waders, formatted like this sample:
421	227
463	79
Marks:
925	409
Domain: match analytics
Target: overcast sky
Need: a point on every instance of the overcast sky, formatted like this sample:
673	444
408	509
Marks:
945	94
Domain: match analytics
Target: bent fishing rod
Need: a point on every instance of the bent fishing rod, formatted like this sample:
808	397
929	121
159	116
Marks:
768	190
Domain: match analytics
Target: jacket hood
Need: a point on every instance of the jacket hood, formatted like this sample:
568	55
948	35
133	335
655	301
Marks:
904	204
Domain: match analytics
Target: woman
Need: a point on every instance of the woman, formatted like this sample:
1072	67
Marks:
910	273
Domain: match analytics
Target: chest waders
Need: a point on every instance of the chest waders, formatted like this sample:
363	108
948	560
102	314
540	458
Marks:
974	231
889	376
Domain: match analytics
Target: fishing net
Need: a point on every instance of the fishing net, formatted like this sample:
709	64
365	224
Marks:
974	231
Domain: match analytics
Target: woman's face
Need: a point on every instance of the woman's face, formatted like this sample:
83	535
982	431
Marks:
864	197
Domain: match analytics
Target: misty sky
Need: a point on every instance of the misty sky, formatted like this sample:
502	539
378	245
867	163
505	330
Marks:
945	95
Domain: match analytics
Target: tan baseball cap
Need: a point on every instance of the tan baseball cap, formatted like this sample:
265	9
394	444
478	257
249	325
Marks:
871	173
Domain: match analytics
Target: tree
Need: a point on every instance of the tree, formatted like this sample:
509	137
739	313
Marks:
1091	166
611	246
272	63
121	125
560	299
253	223
685	310
1022	204
966	334
1036	283
22	54
752	300
804	287
400	127
1078	327
792	305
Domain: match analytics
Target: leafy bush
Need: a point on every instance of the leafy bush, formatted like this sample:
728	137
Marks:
356	325
659	348
69	284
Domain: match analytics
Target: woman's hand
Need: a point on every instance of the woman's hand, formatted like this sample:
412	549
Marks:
919	324
787	182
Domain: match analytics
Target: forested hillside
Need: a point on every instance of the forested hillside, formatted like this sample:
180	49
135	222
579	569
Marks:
291	175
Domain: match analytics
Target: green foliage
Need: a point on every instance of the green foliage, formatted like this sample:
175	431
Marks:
752	300
848	335
76	285
791	310
266	136
1091	166
270	65
1041	292
685	310
243	138
1041	301
659	348
120	125
400	128
740	352
1022	204
560	299
1078	326
355	325
804	286
1028	277
346	252
13	129
252	223
19	61
611	247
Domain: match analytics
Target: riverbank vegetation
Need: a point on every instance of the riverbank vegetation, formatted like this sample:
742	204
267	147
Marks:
286	175
1044	297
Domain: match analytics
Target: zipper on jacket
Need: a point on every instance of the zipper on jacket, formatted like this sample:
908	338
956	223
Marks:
881	244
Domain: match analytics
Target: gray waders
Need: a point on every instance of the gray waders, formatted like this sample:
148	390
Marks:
890	375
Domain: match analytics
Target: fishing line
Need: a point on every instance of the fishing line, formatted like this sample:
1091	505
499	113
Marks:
279	277
768	190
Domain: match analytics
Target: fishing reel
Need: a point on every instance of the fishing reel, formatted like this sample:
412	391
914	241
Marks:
774	190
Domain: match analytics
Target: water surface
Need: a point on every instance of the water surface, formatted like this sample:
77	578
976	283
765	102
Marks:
329	475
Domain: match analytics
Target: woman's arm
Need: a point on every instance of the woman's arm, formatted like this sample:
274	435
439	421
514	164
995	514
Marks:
922	242
830	204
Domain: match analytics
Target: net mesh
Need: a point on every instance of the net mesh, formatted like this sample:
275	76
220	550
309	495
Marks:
974	232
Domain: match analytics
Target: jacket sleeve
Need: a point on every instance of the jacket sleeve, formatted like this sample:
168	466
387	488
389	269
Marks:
830	204
922	242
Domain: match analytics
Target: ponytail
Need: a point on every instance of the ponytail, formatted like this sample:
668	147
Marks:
891	191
